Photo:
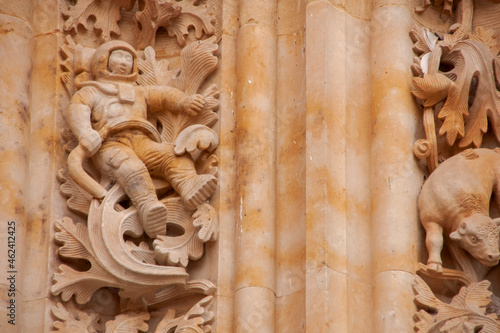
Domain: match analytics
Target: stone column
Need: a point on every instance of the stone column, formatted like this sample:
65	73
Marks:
326	278
228	203
16	52
291	166
338	248
256	158
395	178
44	202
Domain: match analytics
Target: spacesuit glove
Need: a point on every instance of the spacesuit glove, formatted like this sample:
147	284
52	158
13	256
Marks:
193	104
91	142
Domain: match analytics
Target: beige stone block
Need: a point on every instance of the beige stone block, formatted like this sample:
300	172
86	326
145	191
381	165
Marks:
258	12
291	16
47	18
39	316
290	313
359	303
386	3
393	302
326	301
20	9
11	304
230	18
254	309
223	314
359	8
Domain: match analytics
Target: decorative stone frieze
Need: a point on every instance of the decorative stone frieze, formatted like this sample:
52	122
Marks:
141	168
457	85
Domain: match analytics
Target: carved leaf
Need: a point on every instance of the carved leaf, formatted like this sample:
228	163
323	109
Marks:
470	59
154	15
68	50
76	245
196	320
469	90
453	112
450	40
475	297
432	88
466	311
141	252
487	37
193	15
168	322
197	62
153	72
177	250
128	323
106	14
205	219
68	323
196	137
424	295
78	199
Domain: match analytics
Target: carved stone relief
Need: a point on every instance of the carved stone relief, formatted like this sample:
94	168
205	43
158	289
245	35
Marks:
456	82
141	167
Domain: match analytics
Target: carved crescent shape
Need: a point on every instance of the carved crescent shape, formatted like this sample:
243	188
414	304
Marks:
196	137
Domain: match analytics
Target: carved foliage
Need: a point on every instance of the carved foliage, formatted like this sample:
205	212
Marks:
179	250
68	323
196	320
76	245
106	14
197	62
193	15
468	89
465	313
129	322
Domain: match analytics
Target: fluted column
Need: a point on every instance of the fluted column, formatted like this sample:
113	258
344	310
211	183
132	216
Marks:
256	158
16	54
395	178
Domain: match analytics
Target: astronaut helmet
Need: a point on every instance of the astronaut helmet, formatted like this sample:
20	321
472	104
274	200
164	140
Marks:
100	63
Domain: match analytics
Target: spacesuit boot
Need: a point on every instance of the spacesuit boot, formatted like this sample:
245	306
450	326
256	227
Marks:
152	213
194	189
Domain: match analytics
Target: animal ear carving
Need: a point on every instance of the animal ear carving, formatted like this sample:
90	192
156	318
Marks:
455	235
463	227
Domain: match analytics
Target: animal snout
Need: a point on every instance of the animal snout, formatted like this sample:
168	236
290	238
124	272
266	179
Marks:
494	257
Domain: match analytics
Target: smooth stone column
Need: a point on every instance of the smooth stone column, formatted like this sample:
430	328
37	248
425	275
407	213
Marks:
44	203
326	204
228	202
396	178
254	308
16	52
291	165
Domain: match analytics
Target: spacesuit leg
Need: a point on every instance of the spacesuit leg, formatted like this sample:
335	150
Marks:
124	167
179	171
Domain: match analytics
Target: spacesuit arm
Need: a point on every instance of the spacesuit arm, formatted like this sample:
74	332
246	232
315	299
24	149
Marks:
173	100
79	119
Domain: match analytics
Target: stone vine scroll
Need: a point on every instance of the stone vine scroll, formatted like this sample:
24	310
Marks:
141	168
457	84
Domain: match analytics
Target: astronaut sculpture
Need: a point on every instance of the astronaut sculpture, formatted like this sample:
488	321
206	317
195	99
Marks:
109	117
